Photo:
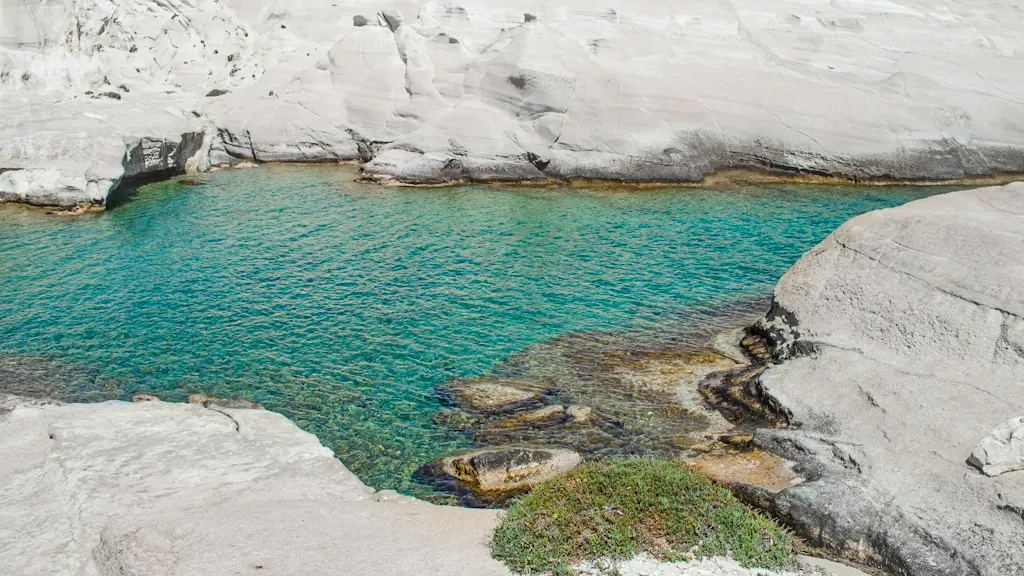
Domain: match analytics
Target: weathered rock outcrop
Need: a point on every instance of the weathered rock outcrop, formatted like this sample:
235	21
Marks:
901	340
429	92
80	150
493	475
177	489
180	490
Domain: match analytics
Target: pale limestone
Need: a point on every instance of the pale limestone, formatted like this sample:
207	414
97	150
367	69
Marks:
169	489
1002	450
425	91
900	345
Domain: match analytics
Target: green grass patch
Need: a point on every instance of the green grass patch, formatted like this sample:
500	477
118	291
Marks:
617	509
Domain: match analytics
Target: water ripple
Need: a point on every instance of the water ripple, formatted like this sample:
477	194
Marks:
343	306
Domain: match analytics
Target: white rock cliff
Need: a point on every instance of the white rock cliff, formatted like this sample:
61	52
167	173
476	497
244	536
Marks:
437	91
901	340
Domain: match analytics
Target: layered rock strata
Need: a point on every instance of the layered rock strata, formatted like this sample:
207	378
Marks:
428	92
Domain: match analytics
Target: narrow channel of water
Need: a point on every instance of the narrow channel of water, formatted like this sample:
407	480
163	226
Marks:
344	305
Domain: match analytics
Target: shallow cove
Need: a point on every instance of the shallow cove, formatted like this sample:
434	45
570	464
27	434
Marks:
343	305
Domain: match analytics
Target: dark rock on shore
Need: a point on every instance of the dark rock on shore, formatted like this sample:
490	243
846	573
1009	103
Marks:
490	477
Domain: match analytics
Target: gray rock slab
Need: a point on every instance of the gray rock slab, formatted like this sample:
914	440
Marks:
298	538
900	343
173	489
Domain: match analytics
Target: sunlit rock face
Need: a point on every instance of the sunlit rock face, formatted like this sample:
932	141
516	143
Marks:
429	91
900	340
164	488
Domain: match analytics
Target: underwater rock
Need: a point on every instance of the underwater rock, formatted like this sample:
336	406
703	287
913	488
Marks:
547	416
456	419
579	414
236	403
489	396
607	397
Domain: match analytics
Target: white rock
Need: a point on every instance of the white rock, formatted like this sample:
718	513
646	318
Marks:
905	330
645	565
1002	450
61	154
170	489
430	92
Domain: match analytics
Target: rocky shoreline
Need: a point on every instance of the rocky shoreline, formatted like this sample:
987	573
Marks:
880	418
97	94
221	486
878	411
894	351
864	431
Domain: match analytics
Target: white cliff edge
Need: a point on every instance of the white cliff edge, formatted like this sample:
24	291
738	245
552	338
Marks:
177	489
901	345
426	92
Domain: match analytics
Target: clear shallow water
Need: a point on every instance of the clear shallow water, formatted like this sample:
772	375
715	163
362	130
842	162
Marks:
343	305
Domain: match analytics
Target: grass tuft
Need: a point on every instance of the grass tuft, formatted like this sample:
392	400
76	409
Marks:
617	509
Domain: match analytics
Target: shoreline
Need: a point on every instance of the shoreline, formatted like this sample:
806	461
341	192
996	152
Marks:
722	179
221	490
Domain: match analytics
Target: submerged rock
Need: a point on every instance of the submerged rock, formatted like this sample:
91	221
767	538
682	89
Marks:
547	416
236	403
456	419
491	396
1002	450
499	472
601	395
579	414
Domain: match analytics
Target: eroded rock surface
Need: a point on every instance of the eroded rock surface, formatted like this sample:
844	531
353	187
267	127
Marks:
429	92
495	474
169	489
901	341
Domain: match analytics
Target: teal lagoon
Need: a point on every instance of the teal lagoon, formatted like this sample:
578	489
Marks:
343	305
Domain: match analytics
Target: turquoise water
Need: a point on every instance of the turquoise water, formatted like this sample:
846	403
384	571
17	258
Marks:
343	305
